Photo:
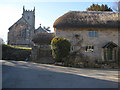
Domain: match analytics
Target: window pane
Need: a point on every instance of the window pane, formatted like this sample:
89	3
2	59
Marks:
92	47
89	48
96	34
93	34
90	34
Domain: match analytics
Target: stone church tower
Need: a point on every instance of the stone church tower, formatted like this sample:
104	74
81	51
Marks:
21	32
29	16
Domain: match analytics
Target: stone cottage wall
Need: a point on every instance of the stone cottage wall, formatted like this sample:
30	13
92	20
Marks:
104	36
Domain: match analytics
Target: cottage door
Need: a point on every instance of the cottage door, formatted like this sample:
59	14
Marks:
109	53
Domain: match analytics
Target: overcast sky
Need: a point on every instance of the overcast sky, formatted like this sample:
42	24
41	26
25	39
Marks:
45	12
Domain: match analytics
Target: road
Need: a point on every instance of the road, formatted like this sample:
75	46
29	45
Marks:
20	74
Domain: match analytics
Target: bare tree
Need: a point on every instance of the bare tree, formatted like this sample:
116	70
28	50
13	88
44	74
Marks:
46	29
1	41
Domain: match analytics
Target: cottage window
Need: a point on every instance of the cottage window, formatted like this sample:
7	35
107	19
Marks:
89	48
93	33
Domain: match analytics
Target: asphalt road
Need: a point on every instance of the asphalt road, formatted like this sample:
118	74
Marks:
20	74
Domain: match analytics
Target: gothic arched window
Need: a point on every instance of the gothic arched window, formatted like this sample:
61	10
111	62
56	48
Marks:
28	17
23	33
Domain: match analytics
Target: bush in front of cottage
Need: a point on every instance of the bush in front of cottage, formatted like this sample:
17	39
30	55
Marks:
60	48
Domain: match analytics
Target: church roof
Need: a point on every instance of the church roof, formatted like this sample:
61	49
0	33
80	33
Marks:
20	20
88	19
40	29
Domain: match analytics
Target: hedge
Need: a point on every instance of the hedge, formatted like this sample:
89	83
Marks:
13	53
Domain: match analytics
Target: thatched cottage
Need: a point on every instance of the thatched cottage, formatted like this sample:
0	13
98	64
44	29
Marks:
41	49
93	33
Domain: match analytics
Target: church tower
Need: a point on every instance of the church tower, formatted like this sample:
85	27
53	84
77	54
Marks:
22	31
29	16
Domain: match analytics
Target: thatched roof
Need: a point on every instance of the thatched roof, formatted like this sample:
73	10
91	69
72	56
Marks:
43	38
88	19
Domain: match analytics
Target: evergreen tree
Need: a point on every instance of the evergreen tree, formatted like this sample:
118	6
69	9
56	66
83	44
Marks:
96	7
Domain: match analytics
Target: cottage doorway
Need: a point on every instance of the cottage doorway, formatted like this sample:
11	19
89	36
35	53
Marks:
110	52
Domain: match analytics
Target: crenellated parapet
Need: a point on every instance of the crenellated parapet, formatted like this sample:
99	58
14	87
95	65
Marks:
24	10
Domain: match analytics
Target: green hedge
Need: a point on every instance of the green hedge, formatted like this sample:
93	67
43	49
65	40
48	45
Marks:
13	53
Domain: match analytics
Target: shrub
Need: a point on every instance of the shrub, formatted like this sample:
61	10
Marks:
75	59
60	48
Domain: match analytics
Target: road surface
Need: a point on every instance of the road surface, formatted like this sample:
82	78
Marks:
20	74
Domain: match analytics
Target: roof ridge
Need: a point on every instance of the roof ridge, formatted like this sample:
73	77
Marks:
92	12
15	23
